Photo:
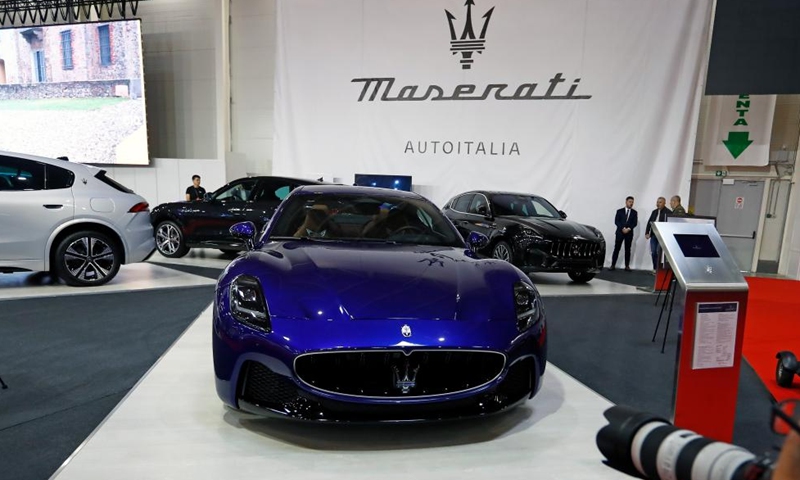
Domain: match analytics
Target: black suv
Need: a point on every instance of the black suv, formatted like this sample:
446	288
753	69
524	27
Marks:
529	232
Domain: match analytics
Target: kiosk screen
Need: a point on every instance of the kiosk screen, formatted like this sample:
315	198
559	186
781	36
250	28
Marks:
696	246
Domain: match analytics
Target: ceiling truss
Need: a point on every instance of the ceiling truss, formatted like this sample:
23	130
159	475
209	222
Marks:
27	12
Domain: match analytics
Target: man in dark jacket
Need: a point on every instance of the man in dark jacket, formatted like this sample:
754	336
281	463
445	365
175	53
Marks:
626	220
660	214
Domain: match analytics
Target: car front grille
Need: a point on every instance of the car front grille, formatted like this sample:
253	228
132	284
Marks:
575	249
392	374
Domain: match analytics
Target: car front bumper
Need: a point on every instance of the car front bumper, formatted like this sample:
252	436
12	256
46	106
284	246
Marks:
255	372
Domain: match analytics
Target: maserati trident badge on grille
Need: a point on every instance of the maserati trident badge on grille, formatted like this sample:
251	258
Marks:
406	331
408	380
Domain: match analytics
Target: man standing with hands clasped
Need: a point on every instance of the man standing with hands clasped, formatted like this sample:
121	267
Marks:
626	220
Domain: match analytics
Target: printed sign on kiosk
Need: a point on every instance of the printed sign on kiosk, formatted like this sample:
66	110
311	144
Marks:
712	299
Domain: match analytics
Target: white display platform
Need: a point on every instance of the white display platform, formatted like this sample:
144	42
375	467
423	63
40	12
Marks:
133	277
197	257
173	426
560	285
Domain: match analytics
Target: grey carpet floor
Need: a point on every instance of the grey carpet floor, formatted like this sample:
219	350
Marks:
605	343
69	360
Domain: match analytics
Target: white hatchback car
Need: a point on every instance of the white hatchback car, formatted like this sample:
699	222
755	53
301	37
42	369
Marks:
70	219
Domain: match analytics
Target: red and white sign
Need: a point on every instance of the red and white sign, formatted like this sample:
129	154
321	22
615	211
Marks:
739	205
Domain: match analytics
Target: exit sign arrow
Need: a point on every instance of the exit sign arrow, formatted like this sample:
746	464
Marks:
737	143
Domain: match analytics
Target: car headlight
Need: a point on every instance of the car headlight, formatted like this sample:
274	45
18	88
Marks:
526	305
247	303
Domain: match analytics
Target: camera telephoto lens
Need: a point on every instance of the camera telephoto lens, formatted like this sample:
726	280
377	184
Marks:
647	446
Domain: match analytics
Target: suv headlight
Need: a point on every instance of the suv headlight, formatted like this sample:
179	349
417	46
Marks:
526	305
247	303
532	235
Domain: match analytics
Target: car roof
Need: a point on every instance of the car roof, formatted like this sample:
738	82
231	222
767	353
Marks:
50	161
273	177
495	192
353	190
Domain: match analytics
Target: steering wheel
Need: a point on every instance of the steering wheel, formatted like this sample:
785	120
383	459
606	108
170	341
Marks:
407	228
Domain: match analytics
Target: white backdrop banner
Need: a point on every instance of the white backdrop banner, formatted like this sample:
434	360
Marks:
738	130
583	102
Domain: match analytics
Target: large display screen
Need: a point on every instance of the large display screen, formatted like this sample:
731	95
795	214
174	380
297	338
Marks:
74	90
395	182
693	245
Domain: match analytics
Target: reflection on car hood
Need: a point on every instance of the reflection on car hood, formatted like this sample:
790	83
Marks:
554	227
331	281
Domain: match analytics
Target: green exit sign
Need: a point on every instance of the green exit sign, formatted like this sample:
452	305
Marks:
721	173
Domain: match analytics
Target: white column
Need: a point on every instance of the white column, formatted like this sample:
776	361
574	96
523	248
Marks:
790	248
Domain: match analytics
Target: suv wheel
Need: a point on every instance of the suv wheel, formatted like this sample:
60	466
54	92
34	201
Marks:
580	277
169	240
87	259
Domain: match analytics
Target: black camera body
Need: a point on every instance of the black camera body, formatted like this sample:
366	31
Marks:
786	369
647	446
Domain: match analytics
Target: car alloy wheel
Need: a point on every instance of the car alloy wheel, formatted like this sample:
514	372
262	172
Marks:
169	240
502	251
87	258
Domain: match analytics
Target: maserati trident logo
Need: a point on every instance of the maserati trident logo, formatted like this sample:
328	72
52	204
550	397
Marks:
467	44
408	380
406	331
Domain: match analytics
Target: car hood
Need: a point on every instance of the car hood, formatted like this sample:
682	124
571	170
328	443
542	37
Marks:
555	227
329	281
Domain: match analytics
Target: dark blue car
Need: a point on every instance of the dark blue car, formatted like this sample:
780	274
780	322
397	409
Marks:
365	304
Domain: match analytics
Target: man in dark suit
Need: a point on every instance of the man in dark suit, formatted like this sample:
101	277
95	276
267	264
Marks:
626	220
660	214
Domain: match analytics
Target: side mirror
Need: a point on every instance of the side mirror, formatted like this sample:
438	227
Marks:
477	241
246	232
562	213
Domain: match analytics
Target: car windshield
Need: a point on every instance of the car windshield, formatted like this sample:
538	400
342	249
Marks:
523	206
364	218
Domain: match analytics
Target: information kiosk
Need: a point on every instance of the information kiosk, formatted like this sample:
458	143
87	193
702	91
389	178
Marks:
711	296
663	272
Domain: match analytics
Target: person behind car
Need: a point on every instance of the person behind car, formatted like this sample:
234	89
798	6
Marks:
677	208
626	219
660	214
195	192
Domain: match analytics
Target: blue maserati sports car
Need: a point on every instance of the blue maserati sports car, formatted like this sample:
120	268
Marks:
365	304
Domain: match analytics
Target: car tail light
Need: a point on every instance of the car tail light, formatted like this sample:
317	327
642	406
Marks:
140	207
